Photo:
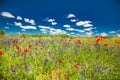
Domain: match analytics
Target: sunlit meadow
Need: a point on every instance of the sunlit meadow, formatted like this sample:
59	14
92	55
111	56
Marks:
59	58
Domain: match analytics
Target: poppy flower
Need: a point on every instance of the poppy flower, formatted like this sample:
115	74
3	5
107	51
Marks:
13	41
75	66
18	47
36	43
25	51
1	52
41	48
79	42
96	36
97	40
105	45
30	46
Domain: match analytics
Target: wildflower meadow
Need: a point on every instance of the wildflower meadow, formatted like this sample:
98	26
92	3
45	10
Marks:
59	58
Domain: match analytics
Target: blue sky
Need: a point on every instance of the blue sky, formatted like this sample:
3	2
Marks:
73	17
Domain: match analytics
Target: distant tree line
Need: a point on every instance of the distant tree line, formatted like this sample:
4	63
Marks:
2	32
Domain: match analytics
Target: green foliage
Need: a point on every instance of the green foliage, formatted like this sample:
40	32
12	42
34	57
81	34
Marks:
2	32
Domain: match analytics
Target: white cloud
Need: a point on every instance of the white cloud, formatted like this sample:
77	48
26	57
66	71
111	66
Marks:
43	30
103	34
24	27
57	31
26	19
23	30
18	23
112	32
80	30
54	23
31	21
89	33
88	29
51	20
19	18
66	26
70	29
71	16
7	14
84	23
28	27
72	33
7	27
44	27
73	20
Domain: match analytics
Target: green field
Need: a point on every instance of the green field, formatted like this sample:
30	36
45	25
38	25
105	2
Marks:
59	58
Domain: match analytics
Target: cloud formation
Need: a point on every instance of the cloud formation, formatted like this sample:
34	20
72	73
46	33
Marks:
71	16
7	14
84	23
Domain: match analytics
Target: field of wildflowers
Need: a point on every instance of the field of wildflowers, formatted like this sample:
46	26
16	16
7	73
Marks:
58	58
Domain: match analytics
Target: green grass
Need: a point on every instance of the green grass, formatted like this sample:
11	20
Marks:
57	58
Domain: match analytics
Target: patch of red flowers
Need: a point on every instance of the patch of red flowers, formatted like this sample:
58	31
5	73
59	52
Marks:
75	66
78	41
18	47
105	45
96	36
30	46
25	51
98	40
41	49
36	43
1	52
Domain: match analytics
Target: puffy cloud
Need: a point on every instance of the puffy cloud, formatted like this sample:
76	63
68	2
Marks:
7	27
31	21
73	20
89	33
44	27
28	27
88	29
103	34
7	14
19	18
18	23
71	16
84	23
54	23
66	26
80	30
24	27
51	20
112	32
57	31
70	29
23	30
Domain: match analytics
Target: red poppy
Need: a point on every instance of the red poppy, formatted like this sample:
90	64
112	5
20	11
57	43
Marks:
41	48
96	37
13	41
30	46
1	52
105	45
18	47
118	42
98	40
36	43
25	51
75	66
79	42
